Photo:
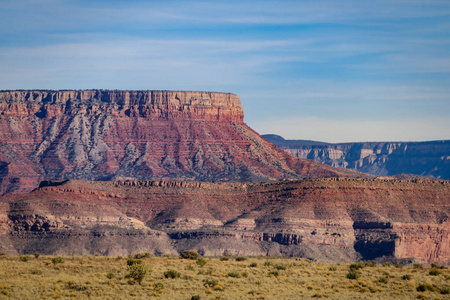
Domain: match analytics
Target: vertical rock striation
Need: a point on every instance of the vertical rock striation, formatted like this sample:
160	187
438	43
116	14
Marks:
107	135
429	159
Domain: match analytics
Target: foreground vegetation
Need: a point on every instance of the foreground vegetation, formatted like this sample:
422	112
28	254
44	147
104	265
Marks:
190	277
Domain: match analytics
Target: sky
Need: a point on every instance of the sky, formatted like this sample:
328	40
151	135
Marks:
332	71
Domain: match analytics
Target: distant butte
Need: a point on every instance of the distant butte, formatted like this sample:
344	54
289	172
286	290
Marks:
137	135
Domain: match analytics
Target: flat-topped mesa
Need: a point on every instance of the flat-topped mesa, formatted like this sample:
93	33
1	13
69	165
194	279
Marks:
136	135
210	106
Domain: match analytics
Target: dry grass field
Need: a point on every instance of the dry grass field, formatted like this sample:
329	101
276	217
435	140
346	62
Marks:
102	277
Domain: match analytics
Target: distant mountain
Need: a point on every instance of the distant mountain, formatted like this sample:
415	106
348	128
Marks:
431	159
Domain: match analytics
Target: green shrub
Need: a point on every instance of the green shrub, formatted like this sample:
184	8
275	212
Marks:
280	267
357	266
425	287
253	265
352	274
268	263
436	266
210	282
444	291
370	263
76	287
201	261
406	277
110	275
434	272
24	258
143	255
36	254
57	260
172	274
240	258
190	254
224	258
196	297
274	273
36	272
158	286
383	280
333	268
134	261
137	271
387	264
234	274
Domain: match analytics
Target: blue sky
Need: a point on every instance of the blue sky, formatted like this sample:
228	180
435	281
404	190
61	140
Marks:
335	71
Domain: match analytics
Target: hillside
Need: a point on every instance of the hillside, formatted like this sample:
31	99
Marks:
333	219
431	159
138	135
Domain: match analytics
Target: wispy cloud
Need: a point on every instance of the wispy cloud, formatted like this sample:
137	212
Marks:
342	61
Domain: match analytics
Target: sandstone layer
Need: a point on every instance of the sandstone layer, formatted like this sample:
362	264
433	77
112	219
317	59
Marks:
430	159
339	219
139	135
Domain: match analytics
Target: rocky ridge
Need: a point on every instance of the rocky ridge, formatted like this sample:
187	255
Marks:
339	219
430	159
138	135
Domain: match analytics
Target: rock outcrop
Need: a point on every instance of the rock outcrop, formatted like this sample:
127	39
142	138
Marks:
339	219
139	135
430	159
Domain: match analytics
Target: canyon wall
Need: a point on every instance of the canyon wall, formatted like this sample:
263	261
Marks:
139	135
337	219
431	159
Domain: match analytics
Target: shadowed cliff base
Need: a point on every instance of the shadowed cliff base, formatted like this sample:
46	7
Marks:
334	219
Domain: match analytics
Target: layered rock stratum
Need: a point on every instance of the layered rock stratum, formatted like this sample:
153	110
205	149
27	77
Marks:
339	219
138	135
183	171
429	159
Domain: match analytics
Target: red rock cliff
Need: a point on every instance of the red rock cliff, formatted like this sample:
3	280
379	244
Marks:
338	219
103	135
156	105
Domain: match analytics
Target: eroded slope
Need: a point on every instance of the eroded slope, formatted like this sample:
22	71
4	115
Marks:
139	135
337	219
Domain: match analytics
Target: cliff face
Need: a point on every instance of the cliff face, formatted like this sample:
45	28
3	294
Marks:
338	219
107	135
429	159
162	105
